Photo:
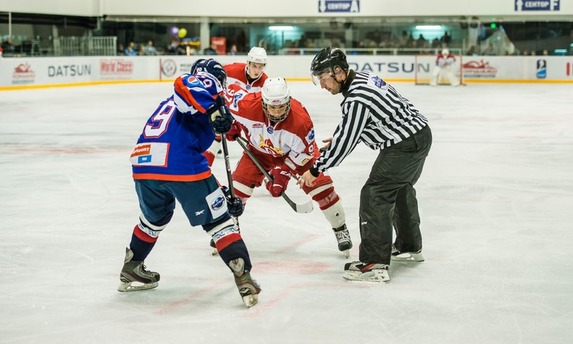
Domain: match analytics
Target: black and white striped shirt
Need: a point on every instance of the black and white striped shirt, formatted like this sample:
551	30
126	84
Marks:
373	112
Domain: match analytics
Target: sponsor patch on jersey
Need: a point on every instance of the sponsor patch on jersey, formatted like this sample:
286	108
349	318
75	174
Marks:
142	149
310	136
218	203
144	159
150	154
270	130
377	81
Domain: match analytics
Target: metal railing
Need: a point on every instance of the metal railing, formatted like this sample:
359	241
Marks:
370	51
85	46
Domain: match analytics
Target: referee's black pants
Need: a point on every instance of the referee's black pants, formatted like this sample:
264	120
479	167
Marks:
388	200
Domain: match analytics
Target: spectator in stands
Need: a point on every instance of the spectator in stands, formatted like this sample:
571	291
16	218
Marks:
446	39
404	39
7	47
422	42
211	50
173	47
150	49
233	49
130	50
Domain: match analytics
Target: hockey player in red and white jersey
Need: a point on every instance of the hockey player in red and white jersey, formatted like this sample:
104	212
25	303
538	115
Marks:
444	68
280	134
249	76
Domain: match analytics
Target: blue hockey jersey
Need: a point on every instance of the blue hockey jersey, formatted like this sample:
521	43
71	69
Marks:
171	144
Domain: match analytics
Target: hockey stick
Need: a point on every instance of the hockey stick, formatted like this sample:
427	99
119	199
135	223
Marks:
229	174
299	208
230	182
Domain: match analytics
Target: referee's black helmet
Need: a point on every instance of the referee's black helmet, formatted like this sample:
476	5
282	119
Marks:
327	59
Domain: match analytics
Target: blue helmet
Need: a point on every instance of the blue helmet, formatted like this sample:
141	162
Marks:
212	67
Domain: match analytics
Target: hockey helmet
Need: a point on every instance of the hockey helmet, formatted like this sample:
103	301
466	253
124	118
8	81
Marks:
445	52
325	62
327	59
276	99
257	55
189	96
212	67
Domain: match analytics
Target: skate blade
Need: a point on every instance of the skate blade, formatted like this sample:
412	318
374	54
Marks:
250	300
372	276
130	286
408	257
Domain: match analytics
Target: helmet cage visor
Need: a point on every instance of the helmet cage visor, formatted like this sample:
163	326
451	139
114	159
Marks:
278	112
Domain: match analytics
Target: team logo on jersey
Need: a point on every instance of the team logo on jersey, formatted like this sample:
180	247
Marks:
270	130
377	81
218	203
267	145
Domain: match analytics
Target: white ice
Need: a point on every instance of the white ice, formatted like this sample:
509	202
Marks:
496	198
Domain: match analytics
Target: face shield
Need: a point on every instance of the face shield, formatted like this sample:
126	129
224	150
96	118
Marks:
321	76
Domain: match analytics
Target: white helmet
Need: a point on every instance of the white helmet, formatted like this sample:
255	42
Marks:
276	93
445	52
257	55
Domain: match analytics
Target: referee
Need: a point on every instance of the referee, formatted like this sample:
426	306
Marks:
373	112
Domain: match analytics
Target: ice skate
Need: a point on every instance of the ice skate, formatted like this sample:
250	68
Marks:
344	240
248	287
398	256
366	272
134	276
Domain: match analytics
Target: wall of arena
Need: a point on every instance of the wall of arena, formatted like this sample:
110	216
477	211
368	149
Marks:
19	73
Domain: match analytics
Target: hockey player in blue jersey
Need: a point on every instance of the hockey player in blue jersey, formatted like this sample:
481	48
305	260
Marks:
168	165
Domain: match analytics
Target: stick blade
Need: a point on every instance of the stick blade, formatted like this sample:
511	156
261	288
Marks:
304	207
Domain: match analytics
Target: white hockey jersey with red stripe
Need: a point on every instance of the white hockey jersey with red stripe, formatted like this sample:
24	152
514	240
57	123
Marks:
237	75
291	139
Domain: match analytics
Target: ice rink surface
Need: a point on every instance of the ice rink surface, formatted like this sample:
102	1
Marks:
496	198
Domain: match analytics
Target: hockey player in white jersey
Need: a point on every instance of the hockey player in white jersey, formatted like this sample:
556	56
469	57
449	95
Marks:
444	68
249	76
280	136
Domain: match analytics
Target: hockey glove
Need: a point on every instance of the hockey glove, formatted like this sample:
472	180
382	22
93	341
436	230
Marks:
221	118
235	131
234	204
278	185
